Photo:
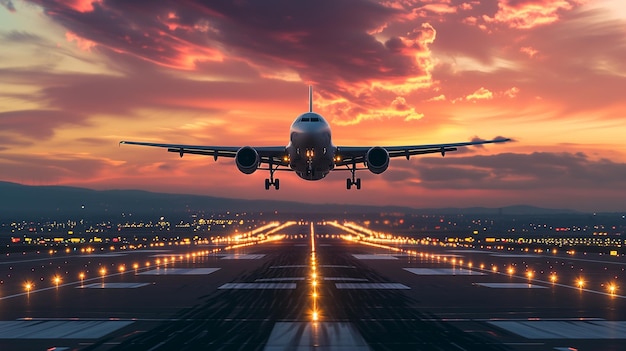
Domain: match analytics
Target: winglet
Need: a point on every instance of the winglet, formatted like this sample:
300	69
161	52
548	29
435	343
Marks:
310	98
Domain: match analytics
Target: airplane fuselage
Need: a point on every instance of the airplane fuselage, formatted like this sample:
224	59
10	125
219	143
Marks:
310	149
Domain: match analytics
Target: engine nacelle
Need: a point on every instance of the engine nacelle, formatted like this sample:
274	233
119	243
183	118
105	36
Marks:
377	160
247	160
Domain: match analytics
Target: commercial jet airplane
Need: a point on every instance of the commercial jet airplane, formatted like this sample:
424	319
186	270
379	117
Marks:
311	152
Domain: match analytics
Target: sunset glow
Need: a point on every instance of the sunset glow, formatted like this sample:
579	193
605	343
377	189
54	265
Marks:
79	76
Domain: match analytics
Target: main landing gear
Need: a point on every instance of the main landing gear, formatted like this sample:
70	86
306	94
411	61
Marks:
271	181
352	181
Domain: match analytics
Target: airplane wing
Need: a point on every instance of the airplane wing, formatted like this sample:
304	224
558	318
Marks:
267	154
348	155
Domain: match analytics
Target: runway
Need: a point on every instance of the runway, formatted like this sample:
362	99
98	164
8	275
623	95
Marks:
306	292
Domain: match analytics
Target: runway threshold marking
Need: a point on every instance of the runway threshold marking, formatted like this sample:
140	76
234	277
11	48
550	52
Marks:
306	266
315	335
59	329
374	257
378	286
263	286
565	329
112	286
243	256
512	285
280	279
345	279
443	271
179	271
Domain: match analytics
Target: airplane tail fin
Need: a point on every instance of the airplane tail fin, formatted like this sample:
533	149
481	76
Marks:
310	98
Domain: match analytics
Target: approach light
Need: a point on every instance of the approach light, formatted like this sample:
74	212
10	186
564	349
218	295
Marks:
612	288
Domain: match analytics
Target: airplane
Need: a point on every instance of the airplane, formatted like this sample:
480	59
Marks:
311	153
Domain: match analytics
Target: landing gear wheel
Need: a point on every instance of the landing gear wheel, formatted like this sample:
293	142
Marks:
276	184
352	181
267	184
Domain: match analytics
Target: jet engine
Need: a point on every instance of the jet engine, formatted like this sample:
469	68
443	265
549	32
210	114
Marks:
247	160
377	160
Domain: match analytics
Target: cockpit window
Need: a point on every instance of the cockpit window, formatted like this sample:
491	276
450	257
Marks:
310	119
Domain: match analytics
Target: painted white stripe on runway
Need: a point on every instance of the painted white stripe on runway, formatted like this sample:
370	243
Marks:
345	279
512	286
59	329
112	285
309	336
374	257
442	271
281	279
514	255
379	286
243	256
103	255
469	251
306	266
179	271
250	286
565	330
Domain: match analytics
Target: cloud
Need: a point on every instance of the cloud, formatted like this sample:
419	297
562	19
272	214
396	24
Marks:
527	14
480	94
538	171
8	4
37	124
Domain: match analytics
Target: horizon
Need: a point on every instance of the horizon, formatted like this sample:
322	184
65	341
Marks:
82	75
519	205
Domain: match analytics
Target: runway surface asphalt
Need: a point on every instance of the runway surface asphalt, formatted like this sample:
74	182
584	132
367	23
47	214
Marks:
306	292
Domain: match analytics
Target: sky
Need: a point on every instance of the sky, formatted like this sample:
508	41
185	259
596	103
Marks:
78	76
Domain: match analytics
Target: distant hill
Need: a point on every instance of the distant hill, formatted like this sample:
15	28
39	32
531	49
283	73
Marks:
22	200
